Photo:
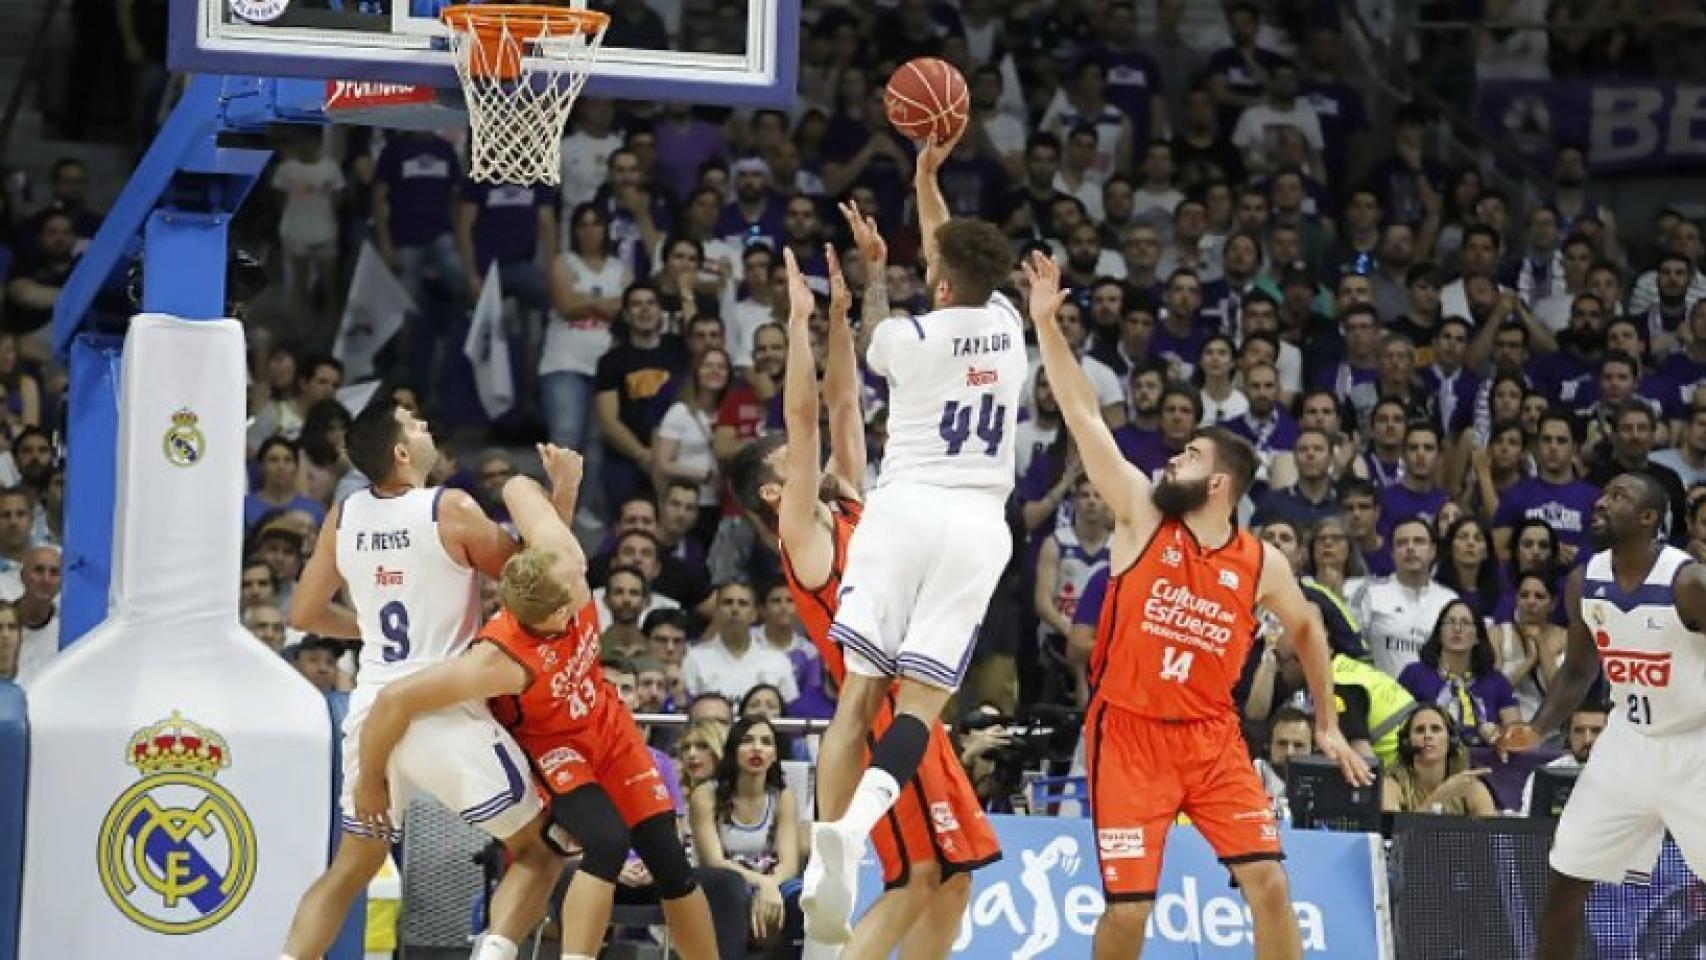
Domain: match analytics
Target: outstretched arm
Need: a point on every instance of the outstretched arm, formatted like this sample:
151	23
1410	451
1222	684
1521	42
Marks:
484	671
535	515
841	384
1122	485
932	208
797	512
870	243
1279	593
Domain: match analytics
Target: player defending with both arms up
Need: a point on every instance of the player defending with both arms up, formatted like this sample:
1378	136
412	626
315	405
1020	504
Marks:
1162	733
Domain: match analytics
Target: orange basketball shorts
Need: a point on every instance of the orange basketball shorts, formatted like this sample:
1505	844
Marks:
936	819
607	751
1145	772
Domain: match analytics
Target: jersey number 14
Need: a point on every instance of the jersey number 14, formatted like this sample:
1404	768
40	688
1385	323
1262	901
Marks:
1176	664
956	426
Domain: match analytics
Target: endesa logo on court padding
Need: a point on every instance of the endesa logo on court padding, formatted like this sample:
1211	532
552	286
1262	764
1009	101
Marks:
1042	899
176	851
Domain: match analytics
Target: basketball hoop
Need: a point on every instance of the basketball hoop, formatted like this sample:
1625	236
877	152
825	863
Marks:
521	67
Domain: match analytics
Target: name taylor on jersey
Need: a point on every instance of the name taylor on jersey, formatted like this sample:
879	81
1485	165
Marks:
981	344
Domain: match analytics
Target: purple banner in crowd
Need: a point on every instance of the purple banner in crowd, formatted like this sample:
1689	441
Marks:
1626	126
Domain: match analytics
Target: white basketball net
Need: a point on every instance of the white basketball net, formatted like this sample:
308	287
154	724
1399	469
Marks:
517	124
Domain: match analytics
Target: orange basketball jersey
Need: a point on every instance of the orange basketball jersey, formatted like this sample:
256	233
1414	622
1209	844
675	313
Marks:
565	691
816	608
1177	626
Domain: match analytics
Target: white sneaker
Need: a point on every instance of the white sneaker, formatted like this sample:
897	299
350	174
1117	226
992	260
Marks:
828	902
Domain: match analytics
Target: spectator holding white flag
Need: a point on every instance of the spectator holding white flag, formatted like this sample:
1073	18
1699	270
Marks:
487	349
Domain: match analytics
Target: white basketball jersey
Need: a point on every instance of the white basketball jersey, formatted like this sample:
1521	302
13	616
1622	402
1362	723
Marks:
955	377
1077	566
416	605
1656	665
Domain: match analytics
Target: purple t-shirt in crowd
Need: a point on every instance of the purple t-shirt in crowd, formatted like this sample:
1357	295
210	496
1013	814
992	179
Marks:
1562	506
1384	474
1490	692
1559	375
1183	350
1673	384
1143	448
682	147
1278	432
506	230
1379	560
738	230
1398	503
420	173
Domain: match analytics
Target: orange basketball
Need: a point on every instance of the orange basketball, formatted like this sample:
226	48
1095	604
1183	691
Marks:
927	99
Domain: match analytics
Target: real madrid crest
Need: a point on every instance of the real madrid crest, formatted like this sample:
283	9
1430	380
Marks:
184	443
177	851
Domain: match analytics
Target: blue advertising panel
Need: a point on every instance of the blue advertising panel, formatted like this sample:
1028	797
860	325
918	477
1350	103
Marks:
1042	899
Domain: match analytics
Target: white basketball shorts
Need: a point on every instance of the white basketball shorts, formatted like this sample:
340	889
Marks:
921	567
1632	790
460	757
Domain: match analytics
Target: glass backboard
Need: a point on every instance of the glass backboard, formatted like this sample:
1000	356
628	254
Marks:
733	52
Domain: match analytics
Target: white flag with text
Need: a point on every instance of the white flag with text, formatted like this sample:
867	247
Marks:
372	316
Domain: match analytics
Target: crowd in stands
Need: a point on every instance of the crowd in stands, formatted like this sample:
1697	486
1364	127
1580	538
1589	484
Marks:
1438	374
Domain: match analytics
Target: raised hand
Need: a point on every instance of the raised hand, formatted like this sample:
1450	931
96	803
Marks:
801	303
840	296
932	153
866	237
1042	275
563	467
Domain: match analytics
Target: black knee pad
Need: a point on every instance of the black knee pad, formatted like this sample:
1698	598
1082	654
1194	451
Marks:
593	820
658	845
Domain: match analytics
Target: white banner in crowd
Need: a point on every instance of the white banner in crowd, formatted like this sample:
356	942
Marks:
487	349
373	314
180	771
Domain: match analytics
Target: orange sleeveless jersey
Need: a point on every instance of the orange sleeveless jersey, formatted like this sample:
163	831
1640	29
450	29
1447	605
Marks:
816	608
1177	626
565	691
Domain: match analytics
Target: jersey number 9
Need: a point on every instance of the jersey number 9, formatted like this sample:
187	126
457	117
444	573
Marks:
956	426
394	625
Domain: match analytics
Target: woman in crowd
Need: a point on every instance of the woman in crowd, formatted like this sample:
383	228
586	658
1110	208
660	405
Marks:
683	294
765	700
699	751
682	447
1432	774
1329	560
1466	565
324	458
281	485
1457	671
746	820
1535	548
1504	402
1532	646
1221	398
1494	468
587	281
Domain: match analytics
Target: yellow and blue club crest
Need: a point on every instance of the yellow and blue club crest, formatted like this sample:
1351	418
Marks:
177	851
184	443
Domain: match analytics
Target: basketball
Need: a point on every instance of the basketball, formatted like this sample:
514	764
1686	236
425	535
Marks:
927	99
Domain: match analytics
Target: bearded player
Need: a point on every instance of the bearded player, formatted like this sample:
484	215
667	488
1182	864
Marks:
537	663
1638	609
936	833
1162	733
